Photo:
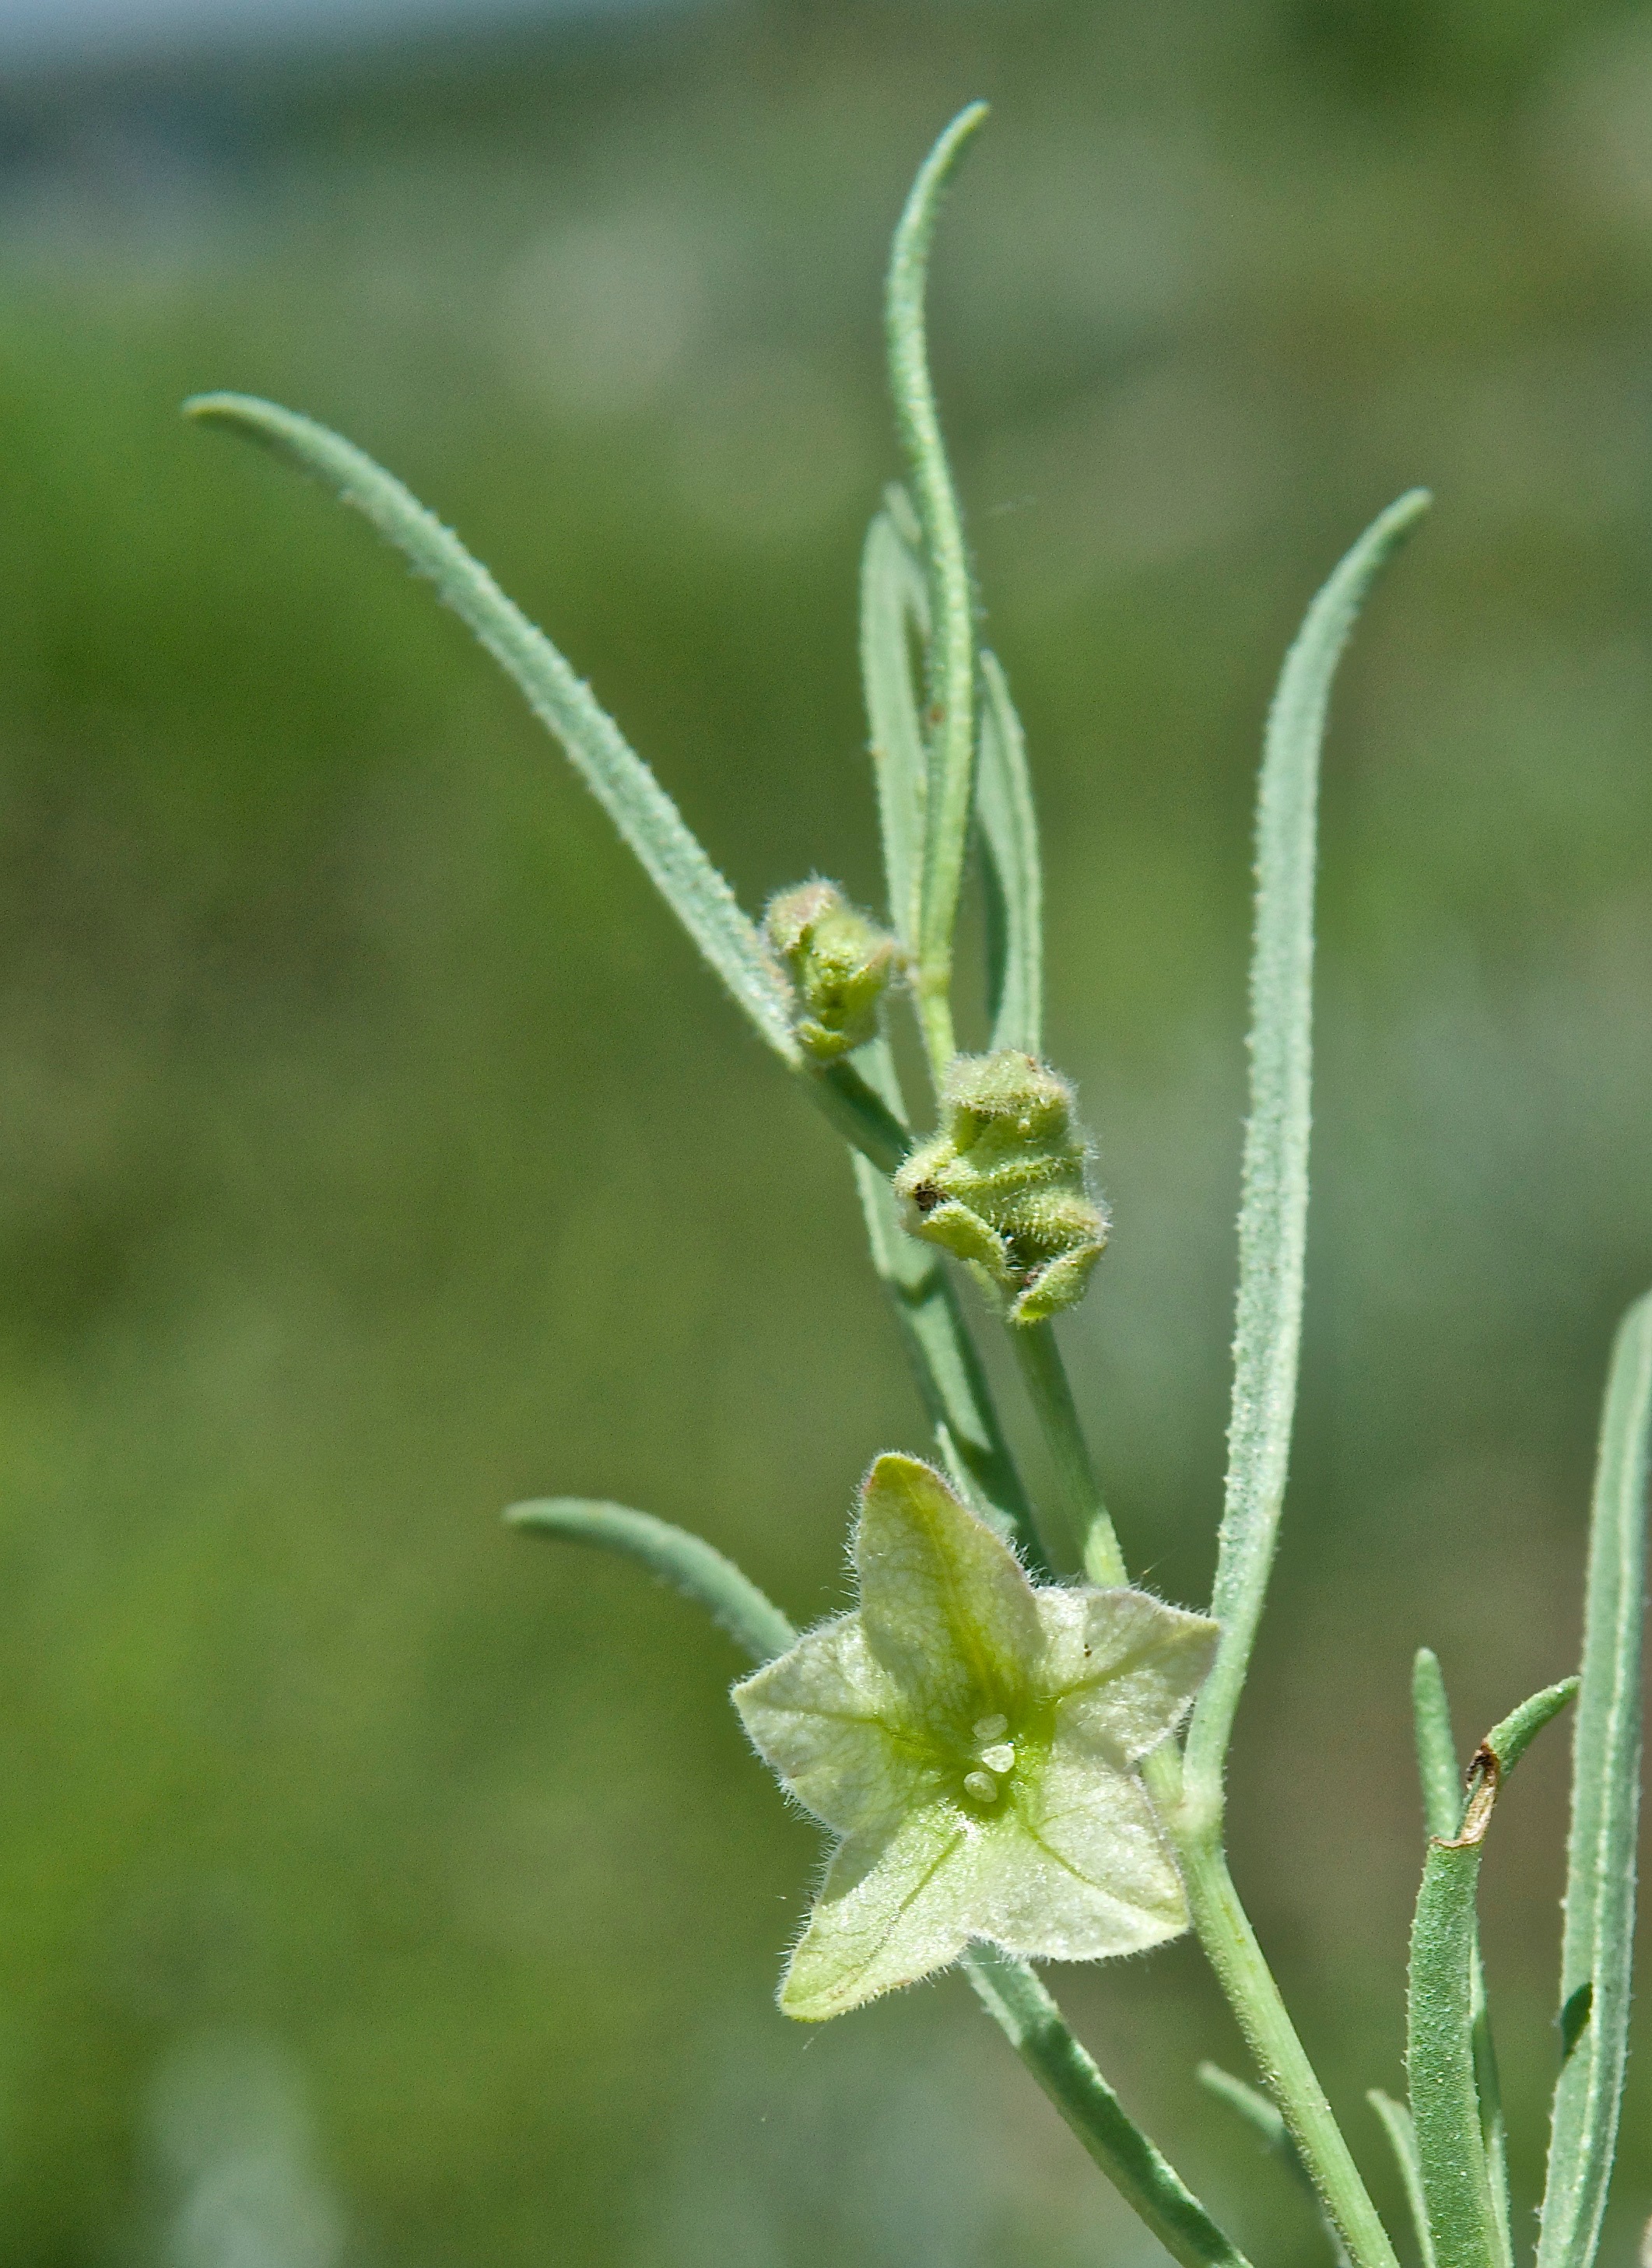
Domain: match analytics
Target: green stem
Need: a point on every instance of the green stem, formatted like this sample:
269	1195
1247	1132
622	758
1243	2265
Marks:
934	993
937	1340
1224	1927
861	1116
1080	1537
1230	1946
1035	2029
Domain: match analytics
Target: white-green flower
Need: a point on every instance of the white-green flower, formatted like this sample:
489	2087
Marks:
974	1742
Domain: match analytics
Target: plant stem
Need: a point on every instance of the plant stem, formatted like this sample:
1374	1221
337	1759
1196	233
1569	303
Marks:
1224	1927
1082	1540
860	1114
1230	1946
1037	2031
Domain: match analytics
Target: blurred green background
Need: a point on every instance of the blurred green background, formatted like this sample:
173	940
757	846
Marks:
377	1888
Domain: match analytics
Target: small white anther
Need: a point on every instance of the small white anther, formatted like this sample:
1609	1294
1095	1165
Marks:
982	1785
992	1728
1000	1758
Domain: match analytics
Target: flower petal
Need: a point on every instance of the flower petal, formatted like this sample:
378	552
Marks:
891	1910
830	1720
947	1609
1122	1666
1077	1870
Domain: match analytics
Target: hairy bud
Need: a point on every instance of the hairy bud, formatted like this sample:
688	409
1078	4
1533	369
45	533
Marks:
840	964
1002	1185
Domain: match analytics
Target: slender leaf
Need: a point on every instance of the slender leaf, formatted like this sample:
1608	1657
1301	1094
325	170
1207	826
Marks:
1014	879
1598	1943
1402	2137
1273	1209
894	614
950	679
688	1563
616	775
1067	2075
1442	1794
1252	2106
1508	1742
1455	2169
1437	1766
1268	2121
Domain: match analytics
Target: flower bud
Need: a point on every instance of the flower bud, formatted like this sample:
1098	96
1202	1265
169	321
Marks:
840	963
1002	1185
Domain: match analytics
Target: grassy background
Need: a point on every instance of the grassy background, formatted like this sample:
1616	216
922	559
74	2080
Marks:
380	1887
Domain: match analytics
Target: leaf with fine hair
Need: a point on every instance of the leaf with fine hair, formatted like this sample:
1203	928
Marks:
1598	1943
894	614
688	1563
1441	1781
1264	2118
1008	821
1274	1208
949	692
1438	1770
622	783
1267	2122
1464	2226
1402	2136
1011	1990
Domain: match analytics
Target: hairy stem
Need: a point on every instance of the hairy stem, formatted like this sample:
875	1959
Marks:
1079	1538
1224	1927
1230	1946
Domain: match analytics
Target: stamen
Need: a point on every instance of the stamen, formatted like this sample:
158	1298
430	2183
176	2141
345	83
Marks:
982	1785
992	1728
1000	1758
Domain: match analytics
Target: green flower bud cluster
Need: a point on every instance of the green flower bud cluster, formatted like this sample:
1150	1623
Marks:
1003	1186
840	963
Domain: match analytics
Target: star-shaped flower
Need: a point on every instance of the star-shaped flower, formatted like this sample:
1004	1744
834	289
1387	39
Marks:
973	1741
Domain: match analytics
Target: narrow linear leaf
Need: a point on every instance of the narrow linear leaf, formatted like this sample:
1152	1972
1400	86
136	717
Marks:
1437	1765
1509	1741
1251	2104
1598	1942
1403	2139
686	1562
950	676
1274	1207
1439	2061
1008	821
622	783
1034	2027
1443	1794
1464	2222
894	614
1268	2121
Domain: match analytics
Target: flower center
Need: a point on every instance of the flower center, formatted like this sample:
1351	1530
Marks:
996	1757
